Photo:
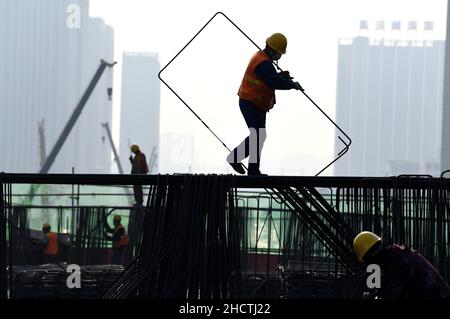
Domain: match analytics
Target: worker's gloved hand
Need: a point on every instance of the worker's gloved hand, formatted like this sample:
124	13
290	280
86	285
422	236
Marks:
131	159
286	75
297	86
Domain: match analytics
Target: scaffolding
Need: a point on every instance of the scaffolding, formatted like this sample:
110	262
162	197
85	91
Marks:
226	236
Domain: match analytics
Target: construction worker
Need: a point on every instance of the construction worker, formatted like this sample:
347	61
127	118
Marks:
256	98
119	239
51	246
404	272
138	166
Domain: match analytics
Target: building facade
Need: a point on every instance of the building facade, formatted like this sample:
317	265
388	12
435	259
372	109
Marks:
50	51
389	101
140	108
445	145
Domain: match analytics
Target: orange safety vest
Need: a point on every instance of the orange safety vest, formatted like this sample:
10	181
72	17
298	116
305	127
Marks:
254	89
123	241
52	247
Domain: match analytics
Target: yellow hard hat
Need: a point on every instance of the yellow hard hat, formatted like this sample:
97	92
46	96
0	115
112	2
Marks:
277	42
134	148
117	217
363	242
46	225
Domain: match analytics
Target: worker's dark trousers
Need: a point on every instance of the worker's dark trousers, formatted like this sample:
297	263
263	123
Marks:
252	145
138	194
117	254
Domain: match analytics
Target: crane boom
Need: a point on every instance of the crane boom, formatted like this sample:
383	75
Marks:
76	113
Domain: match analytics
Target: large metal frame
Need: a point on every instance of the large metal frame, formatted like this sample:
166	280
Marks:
340	153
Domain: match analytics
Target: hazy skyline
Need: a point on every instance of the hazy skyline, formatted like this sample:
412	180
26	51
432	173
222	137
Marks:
391	95
207	75
313	30
45	68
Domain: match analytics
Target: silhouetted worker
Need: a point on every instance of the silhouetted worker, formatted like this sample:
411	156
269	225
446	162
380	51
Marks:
138	166
256	98
119	239
51	246
404	272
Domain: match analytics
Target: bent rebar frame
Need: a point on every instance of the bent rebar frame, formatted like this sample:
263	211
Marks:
340	153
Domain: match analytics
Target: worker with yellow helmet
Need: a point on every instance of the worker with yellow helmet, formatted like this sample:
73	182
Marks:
405	272
256	98
51	244
119	238
138	166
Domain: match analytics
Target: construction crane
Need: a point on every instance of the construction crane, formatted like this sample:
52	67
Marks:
41	133
70	124
42	152
116	156
76	113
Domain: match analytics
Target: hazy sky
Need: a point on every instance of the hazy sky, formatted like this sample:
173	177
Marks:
208	74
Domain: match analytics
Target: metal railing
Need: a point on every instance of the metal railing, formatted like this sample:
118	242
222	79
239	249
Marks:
293	241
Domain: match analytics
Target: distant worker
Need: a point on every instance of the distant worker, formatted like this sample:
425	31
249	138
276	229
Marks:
138	166
256	98
404	272
119	239
51	246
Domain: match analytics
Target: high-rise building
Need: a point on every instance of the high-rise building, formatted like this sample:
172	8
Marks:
445	146
49	52
139	119
389	100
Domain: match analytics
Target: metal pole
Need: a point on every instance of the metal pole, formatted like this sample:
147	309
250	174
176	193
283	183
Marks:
3	247
116	156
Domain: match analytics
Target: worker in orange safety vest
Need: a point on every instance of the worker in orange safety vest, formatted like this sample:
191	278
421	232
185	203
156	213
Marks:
119	239
256	98
51	246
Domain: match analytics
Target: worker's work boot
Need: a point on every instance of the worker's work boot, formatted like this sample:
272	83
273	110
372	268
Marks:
253	170
237	165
